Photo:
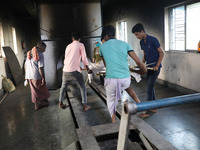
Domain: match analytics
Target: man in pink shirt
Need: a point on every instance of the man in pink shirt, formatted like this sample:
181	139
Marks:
74	53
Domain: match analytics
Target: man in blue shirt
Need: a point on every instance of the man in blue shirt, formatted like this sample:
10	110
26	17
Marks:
115	57
153	55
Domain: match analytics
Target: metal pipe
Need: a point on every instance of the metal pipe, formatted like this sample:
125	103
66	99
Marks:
155	104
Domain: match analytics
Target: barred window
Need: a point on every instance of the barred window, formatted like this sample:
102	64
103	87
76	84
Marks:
14	40
182	27
122	30
1	41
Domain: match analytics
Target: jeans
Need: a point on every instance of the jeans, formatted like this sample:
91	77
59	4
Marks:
151	79
66	78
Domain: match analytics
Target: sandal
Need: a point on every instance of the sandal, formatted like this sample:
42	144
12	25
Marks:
61	105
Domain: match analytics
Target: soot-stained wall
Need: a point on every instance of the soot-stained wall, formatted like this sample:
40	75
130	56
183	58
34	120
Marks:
57	22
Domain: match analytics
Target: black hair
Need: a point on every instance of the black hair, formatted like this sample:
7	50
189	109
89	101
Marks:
76	36
138	28
108	30
41	44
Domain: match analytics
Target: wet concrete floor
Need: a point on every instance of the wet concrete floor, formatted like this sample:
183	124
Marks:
21	127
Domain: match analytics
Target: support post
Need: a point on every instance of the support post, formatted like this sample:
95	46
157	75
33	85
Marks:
132	108
123	129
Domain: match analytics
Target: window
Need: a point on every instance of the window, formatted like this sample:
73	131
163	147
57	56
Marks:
122	30
14	40
1	41
177	26
182	27
192	28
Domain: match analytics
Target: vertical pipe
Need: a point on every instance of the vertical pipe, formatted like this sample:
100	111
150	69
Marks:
123	129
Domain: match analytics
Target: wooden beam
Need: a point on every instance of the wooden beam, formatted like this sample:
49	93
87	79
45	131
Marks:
87	139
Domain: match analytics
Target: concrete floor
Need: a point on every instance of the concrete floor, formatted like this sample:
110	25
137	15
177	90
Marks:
21	127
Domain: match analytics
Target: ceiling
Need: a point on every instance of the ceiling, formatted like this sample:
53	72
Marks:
28	8
20	8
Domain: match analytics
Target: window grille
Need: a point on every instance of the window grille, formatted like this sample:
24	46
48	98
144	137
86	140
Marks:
183	27
177	28
14	40
192	26
122	31
1	41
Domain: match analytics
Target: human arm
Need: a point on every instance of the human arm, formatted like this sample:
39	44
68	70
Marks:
84	58
161	55
88	69
144	60
93	60
41	71
142	67
41	67
26	80
25	69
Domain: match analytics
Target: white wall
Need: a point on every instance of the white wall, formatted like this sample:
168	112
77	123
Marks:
182	68
2	71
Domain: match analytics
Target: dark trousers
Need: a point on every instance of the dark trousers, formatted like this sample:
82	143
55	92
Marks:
151	79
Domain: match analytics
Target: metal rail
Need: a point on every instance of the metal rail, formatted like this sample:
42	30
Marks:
162	103
132	108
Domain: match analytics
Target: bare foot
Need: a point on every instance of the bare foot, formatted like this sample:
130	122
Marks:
153	110
61	105
86	107
113	118
37	106
144	115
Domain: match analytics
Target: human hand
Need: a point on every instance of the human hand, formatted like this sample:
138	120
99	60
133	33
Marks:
26	82
43	82
155	68
89	71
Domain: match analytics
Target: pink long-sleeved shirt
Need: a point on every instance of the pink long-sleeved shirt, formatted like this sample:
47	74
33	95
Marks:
73	54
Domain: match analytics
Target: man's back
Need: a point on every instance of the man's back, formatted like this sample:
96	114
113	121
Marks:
73	54
115	54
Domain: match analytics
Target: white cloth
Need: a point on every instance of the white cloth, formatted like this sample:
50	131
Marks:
97	67
90	77
113	92
136	76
